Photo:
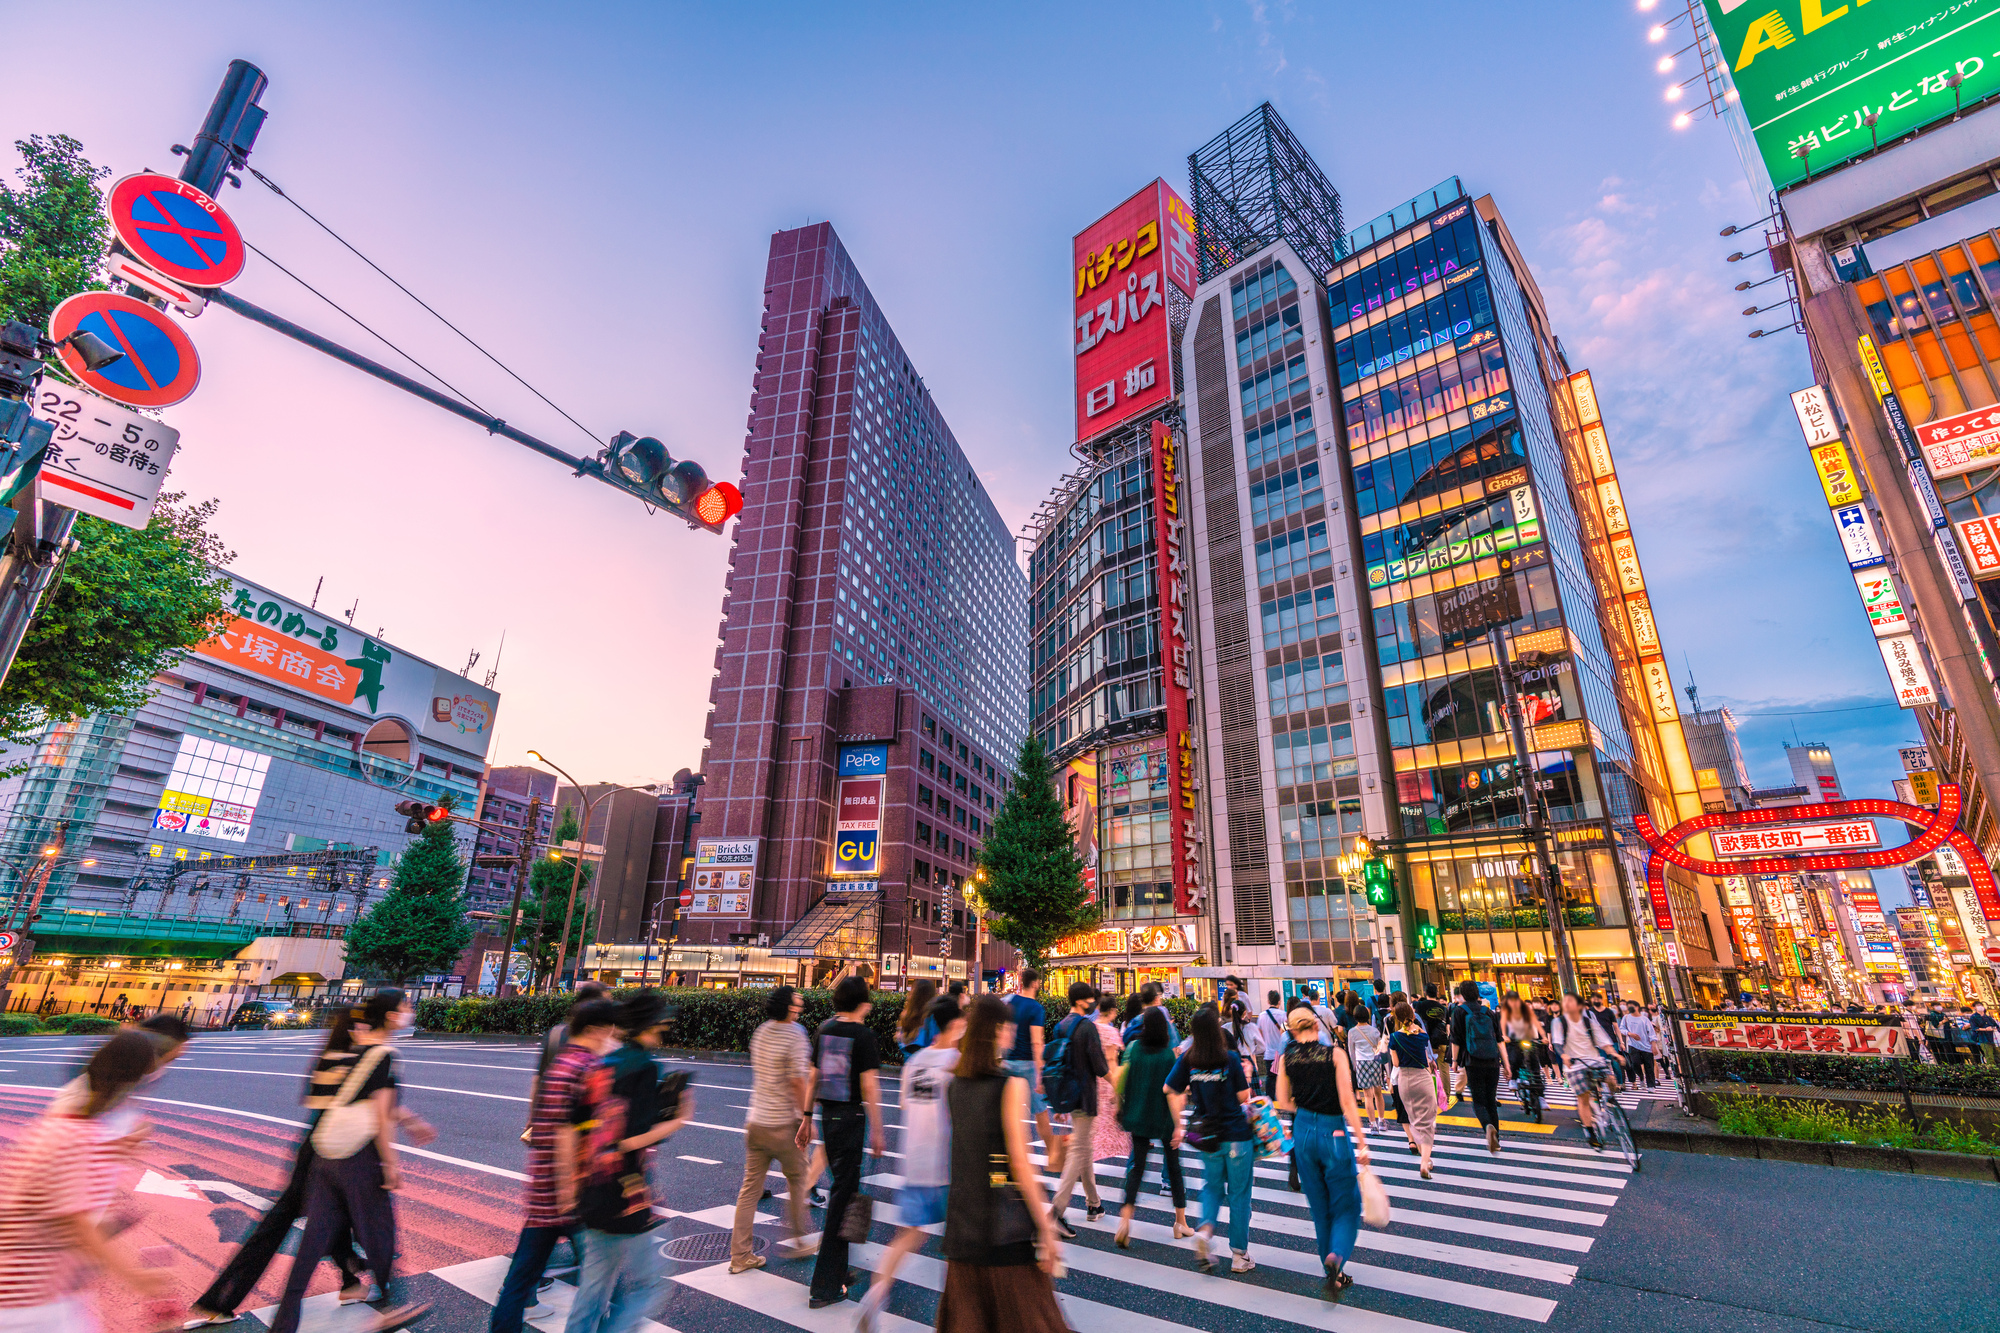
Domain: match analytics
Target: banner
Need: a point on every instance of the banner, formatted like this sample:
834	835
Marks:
1793	1034
1176	609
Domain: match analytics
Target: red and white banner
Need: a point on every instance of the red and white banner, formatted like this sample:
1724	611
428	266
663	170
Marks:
1123	264
1798	838
1176	609
1964	443
1793	1034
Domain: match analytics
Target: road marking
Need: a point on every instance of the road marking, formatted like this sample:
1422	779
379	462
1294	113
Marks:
705	1161
1083	1316
482	1279
767	1294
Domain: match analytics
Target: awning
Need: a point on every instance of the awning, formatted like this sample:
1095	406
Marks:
834	928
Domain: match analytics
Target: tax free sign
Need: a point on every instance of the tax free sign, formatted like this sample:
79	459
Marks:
1812	73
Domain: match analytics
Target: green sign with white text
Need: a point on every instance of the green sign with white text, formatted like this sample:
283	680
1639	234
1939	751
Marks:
1811	73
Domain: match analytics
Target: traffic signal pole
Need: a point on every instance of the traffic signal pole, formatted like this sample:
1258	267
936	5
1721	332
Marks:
1547	875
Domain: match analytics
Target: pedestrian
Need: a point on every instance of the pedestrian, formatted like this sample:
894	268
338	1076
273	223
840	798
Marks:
778	1127
927	1077
1212	1077
616	1104
1640	1038
1024	1057
1581	1044
1980	1027
1000	1245
1144	1112
1328	1022
1109	1139
1271	1033
348	1187
1151	996
1364	1055
549	1197
1480	1057
556	1040
56	1179
1076	1048
1315	1084
845	1057
913	1027
1607	1014
1413	1059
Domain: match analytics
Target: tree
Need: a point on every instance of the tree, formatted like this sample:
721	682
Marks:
53	231
545	903
419	926
1033	890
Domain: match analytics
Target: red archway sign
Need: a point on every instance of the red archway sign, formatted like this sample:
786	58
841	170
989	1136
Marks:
159	367
1937	828
171	227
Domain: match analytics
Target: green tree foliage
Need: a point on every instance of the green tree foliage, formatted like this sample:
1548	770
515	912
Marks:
127	603
419	926
1032	890
52	229
546	902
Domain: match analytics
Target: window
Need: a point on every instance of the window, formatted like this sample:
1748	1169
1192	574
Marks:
1291	492
1310	683
958	849
1299	618
923	834
924	760
1292	553
1313	829
959	782
1279	384
1313	754
923	795
1279	439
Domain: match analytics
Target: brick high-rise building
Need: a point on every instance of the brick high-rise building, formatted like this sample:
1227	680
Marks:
870	676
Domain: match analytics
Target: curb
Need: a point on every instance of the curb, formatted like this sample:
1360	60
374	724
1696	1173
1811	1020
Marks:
1866	1157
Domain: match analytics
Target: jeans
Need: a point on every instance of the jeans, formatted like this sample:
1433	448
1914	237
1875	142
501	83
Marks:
234	1283
524	1274
1135	1170
844	1127
1230	1168
1482	1078
341	1193
1333	1189
1079	1165
762	1145
619	1283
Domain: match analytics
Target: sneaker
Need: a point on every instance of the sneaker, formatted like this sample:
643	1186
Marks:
1064	1229
1093	1212
1242	1263
816	1197
754	1261
1590	1135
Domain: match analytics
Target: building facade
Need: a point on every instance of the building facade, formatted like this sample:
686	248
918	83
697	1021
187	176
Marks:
870	690
503	827
215	844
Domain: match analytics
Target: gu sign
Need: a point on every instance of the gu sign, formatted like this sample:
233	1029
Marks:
1123	265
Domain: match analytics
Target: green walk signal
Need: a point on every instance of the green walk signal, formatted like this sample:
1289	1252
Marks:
1379	885
1427	938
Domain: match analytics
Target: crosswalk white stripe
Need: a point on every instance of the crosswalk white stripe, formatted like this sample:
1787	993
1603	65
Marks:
1584	1170
1440	1179
1487	1167
767	1294
482	1279
1083	1316
1514	1144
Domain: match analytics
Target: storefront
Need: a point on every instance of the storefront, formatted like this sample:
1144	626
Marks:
1119	960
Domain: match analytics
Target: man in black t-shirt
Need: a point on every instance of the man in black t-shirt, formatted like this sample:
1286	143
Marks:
845	1057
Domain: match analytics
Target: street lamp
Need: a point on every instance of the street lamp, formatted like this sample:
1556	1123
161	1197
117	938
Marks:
975	907
583	838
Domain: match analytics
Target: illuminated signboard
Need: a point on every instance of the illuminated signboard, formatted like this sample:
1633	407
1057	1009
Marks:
1907	673
1176	608
1858	539
1981	539
212	791
1123	265
1798	838
1815	416
1836	474
1879	599
1964	443
1812	73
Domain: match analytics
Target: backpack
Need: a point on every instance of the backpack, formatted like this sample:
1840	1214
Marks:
1060	1087
1481	1042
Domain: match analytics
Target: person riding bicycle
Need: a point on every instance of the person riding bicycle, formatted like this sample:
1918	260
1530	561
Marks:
1524	1040
1585	1052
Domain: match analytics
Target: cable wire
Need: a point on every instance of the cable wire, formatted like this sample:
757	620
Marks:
1802	712
455	390
274	187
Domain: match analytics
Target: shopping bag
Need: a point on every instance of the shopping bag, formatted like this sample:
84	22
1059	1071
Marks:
859	1219
1374	1200
1267	1129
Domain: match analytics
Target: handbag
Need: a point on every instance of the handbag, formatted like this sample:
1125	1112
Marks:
859	1220
1374	1200
1011	1221
347	1126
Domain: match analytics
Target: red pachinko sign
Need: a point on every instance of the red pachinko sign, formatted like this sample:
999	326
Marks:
1793	1034
1123	265
1176	607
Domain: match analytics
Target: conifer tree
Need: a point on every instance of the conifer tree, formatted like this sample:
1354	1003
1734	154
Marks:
419	926
1032	890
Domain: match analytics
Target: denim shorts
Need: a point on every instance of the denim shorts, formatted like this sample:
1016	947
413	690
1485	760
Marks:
1037	1104
921	1205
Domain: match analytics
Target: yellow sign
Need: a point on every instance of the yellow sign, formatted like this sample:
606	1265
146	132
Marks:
1836	474
1541	641
183	802
1613	504
1873	360
1586	397
1645	633
1924	786
1569	735
1598	447
1625	557
1660	690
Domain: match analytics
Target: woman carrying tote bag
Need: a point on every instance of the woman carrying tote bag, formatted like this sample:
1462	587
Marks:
354	1168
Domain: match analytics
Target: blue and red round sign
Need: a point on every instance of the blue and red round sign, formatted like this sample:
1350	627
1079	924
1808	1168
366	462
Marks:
170	226
159	367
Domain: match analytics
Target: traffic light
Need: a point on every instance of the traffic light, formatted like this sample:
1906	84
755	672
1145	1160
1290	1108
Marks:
641	466
1427	937
1379	883
421	815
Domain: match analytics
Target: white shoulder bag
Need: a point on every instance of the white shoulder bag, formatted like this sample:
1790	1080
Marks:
347	1126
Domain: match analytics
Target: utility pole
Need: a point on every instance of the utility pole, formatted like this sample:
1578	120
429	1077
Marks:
524	865
1547	875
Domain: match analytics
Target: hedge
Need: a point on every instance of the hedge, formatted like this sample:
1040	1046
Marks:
18	1025
1868	1075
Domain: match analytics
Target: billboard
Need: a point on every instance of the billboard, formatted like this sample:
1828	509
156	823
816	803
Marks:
1879	599
1795	840
1964	443
856	760
1907	672
304	651
1811	74
1170	531
1124	264
212	791
1079	798
725	871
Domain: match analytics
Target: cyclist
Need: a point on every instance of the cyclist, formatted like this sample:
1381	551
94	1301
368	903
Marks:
1524	1037
1584	1050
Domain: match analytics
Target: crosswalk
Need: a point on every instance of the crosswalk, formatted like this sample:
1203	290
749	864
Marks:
1487	1243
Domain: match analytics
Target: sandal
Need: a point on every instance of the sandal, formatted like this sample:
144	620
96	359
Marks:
1337	1282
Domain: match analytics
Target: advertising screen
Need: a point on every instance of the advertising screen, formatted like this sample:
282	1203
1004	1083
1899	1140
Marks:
1123	265
1811	73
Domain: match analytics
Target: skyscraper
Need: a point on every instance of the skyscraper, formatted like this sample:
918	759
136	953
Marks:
869	687
1812	768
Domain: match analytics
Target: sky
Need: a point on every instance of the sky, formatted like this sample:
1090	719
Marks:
589	190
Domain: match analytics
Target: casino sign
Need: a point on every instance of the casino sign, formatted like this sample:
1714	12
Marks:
1792	850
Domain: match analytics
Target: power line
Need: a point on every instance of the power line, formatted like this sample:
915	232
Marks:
275	189
1802	712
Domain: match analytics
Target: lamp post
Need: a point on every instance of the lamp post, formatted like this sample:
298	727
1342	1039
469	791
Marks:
583	839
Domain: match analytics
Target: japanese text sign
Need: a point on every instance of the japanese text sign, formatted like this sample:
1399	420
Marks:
1981	539
1907	672
1176	609
1123	265
1796	839
1836	474
104	460
1857	537
860	803
1812	74
1815	415
1793	1034
1964	443
1879	599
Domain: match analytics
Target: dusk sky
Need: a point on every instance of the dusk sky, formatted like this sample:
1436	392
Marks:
589	191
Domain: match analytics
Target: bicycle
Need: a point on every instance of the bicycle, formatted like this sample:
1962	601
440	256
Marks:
1613	1129
1529	1086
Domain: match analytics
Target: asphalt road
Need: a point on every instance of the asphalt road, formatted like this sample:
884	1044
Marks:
1547	1235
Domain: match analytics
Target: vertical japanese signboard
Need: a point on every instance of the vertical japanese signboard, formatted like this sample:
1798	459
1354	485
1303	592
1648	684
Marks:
1123	265
857	829
1176	609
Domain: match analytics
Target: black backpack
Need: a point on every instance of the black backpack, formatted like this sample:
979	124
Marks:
1481	1040
1060	1087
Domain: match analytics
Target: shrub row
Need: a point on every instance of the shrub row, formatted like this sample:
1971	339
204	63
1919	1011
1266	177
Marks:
71	1025
1833	1071
1817	1122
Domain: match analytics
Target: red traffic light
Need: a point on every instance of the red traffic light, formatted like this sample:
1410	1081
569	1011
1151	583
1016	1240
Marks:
718	504
438	814
420	815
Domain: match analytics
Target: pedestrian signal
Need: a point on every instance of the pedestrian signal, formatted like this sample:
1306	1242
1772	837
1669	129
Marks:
1379	884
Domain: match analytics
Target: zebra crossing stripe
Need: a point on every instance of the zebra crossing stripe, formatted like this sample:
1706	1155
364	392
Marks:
764	1293
482	1278
1082	1316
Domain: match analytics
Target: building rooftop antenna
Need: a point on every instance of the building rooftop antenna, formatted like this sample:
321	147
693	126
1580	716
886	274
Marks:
493	672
